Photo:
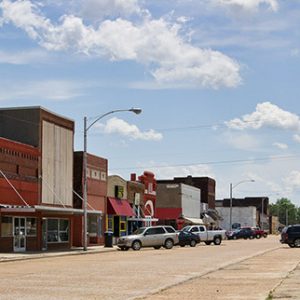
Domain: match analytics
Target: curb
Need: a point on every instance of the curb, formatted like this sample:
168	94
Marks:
55	255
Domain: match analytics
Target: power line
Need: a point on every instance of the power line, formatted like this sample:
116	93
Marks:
236	161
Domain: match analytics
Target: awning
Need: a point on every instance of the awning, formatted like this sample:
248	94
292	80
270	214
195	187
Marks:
193	221
119	207
49	209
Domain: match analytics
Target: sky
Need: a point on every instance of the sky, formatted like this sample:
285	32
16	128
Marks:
217	82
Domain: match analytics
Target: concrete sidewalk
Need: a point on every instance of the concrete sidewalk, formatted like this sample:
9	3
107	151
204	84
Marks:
289	288
5	257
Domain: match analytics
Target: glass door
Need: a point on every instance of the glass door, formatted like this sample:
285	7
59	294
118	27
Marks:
19	234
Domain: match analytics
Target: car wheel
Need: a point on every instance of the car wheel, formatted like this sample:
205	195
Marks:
169	244
297	243
291	245
217	240
265	235
251	237
234	237
136	245
207	243
193	243
182	245
156	247
258	236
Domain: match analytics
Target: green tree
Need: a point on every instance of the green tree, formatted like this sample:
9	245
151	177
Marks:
286	211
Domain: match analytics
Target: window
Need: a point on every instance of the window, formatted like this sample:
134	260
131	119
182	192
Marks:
31	226
170	229
58	230
195	229
110	223
119	191
201	229
92	225
155	230
122	226
6	227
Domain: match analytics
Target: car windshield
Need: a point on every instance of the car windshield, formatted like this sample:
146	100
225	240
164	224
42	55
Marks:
284	230
187	228
139	230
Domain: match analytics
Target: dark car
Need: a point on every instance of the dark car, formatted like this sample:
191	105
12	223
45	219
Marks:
188	238
242	233
291	235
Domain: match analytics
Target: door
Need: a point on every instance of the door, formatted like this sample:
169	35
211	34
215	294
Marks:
19	234
203	233
44	234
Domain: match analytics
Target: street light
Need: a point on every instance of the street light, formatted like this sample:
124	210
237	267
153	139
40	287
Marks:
231	188
85	130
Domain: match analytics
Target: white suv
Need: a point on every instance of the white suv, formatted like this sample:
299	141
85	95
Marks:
153	236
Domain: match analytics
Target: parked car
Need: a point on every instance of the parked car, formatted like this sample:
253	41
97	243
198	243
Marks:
153	236
245	233
291	235
259	232
206	236
188	238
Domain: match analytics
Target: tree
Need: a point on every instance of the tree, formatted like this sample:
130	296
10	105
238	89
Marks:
286	211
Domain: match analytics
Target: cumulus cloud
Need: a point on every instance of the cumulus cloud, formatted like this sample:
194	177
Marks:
266	115
115	125
280	145
156	43
249	5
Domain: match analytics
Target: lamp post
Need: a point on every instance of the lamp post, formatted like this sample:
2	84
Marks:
85	130
231	188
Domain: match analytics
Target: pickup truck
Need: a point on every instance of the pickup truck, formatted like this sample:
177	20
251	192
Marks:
206	236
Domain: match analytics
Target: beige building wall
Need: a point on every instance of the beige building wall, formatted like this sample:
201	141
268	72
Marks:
115	180
57	165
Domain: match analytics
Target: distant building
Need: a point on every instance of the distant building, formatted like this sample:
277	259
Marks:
177	204
249	211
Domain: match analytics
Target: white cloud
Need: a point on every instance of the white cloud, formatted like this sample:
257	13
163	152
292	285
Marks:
267	115
115	125
249	5
22	58
98	9
292	181
280	145
56	90
297	138
154	43
241	141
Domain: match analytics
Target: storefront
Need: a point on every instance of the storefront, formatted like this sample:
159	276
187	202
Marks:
37	228
118	211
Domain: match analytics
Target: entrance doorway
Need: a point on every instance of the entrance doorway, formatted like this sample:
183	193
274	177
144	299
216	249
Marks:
19	234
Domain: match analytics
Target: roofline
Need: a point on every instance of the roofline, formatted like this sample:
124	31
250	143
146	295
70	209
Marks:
36	107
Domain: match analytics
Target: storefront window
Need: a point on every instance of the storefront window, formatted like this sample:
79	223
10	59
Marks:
110	224
92	225
31	226
58	230
6	227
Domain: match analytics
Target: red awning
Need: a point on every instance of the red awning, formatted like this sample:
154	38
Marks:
119	207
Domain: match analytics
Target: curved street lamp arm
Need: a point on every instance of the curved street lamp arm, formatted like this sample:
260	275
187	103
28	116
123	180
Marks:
248	180
135	110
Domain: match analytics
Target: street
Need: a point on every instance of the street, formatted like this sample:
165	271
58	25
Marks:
242	269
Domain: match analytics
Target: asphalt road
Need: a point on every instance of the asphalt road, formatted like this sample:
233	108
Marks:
252	267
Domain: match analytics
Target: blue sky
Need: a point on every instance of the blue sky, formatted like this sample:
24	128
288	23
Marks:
218	82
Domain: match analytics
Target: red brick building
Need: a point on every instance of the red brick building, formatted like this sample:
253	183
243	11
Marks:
96	196
36	180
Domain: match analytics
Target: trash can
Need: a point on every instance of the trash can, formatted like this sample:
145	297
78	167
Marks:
108	239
